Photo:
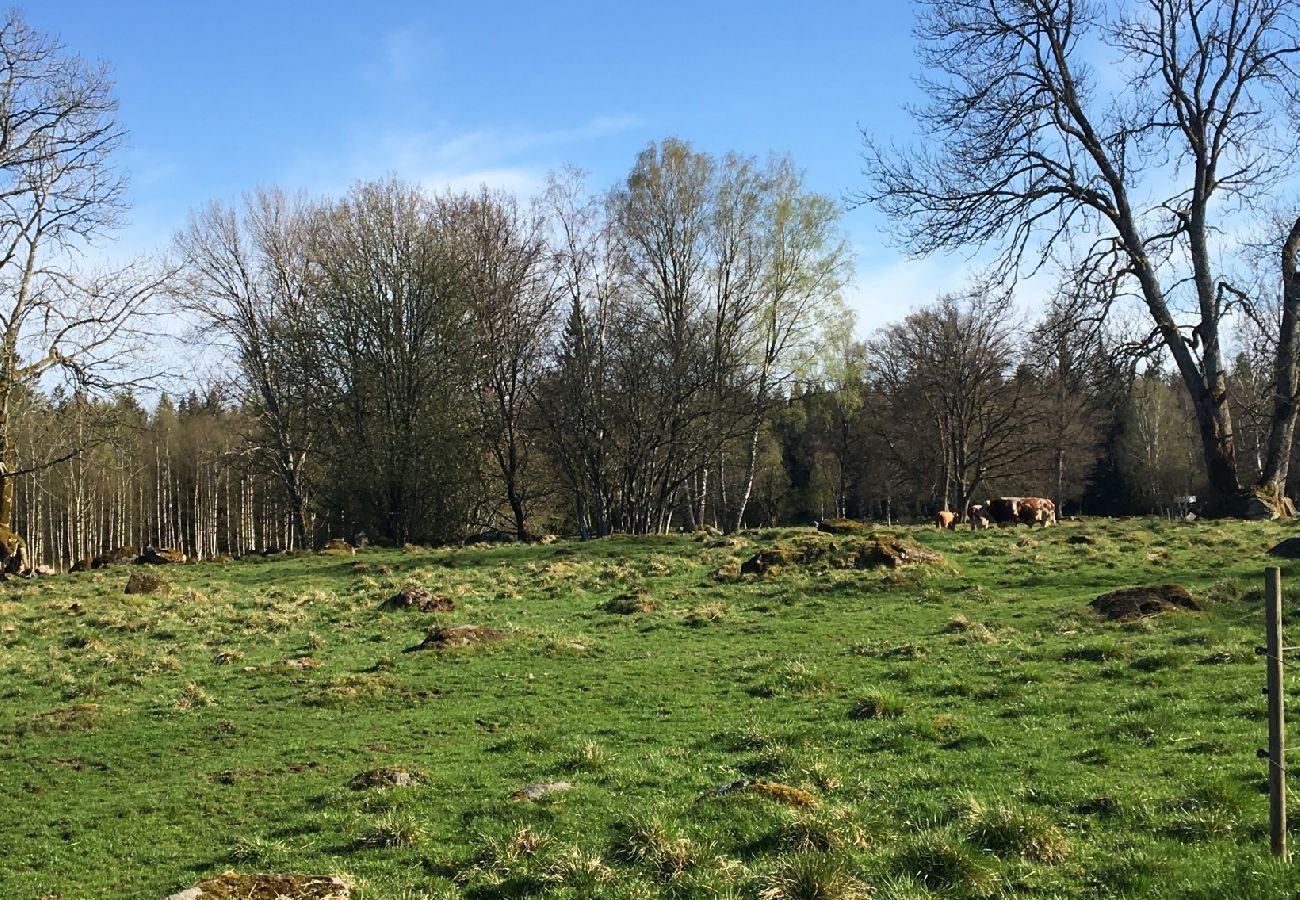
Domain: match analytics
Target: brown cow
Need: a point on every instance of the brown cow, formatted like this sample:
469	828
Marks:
945	519
1037	510
977	515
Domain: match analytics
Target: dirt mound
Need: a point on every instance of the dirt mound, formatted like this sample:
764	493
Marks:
1138	602
144	583
1081	539
415	597
867	552
338	547
239	886
458	636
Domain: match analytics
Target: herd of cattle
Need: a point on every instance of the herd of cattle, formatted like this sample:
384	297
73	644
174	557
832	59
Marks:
1003	511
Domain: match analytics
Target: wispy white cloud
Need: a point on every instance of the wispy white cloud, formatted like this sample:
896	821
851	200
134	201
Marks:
515	161
887	291
890	289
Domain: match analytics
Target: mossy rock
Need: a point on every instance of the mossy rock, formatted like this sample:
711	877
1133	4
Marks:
338	547
144	583
1127	604
841	526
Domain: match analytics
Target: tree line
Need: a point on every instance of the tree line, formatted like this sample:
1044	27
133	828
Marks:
673	351
959	401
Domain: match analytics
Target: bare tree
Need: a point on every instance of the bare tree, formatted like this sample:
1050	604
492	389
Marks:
511	304
1032	148
249	278
392	351
949	374
59	192
586	261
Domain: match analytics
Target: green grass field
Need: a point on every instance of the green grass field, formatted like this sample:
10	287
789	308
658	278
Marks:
969	729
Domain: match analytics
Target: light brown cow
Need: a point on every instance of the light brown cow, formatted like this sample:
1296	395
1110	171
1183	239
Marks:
1037	511
945	519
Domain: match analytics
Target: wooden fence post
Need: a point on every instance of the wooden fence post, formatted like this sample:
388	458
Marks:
1276	712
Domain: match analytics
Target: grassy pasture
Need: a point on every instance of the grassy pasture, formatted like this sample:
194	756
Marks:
964	730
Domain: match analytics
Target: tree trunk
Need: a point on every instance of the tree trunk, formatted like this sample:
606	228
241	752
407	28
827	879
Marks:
736	523
1286	373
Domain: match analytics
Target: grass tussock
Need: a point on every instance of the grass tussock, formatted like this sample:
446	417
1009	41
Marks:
393	829
813	876
1006	830
877	705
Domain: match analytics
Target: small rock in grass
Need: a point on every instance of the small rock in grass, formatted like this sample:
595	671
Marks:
385	777
274	886
143	583
302	663
458	636
538	791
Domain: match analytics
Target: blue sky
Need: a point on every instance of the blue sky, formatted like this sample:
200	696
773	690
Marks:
221	97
